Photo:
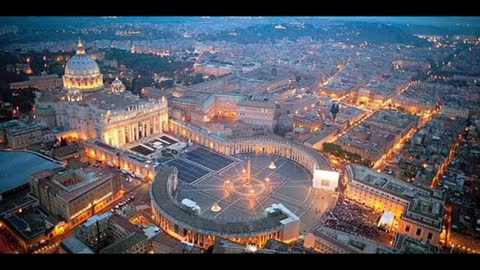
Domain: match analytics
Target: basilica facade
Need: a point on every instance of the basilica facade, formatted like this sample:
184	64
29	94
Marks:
112	115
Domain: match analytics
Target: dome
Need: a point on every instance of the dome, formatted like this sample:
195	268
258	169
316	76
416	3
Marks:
81	65
73	94
117	86
82	72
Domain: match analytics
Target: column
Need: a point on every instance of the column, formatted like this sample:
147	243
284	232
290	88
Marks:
130	127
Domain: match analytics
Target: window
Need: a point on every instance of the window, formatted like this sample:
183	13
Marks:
419	232
407	228
430	236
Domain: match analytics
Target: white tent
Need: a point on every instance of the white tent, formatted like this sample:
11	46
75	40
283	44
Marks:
325	179
386	220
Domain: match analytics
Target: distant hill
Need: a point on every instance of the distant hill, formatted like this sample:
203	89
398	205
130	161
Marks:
352	32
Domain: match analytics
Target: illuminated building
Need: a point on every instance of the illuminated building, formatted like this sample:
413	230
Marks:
94	231
377	134
112	115
257	114
271	145
332	241
44	82
409	245
117	86
82	72
75	195
419	211
114	234
20	133
201	108
210	69
116	118
309	120
119	158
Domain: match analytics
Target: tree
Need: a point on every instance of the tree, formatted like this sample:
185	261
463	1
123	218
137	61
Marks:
198	78
333	149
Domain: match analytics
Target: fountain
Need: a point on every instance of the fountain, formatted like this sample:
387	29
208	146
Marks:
272	166
215	208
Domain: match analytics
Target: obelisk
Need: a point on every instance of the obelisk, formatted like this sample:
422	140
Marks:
249	167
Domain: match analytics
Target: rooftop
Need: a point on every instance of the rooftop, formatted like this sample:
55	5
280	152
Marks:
409	245
17	166
350	243
90	179
29	223
17	127
122	245
96	218
165	244
424	205
390	184
109	101
74	245
260	104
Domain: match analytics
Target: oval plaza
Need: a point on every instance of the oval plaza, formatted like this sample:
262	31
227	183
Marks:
246	189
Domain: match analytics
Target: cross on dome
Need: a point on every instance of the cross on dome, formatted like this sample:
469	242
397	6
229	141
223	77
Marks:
80	48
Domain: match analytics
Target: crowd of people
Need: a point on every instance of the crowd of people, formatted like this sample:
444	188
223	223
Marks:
357	219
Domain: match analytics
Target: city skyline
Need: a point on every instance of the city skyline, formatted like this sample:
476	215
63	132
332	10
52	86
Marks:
226	134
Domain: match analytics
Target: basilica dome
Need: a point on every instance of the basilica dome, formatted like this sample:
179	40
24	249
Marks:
82	72
117	86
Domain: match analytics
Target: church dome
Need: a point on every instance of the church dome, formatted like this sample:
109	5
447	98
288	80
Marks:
82	72
117	86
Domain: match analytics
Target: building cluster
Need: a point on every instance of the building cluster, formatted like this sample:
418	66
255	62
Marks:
461	182
110	234
331	241
442	96
428	150
378	92
418	211
317	127
22	133
252	90
75	195
378	134
464	229
202	109
216	69
43	82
